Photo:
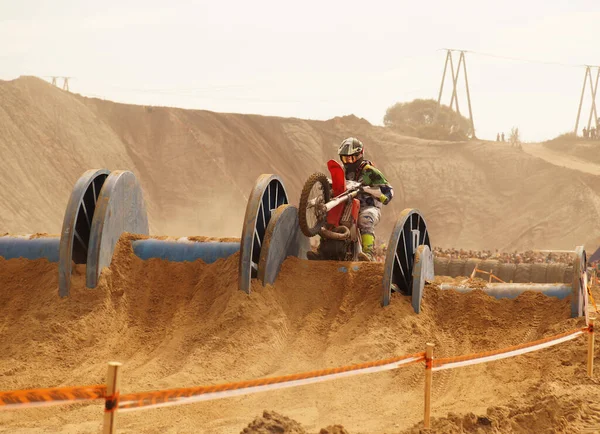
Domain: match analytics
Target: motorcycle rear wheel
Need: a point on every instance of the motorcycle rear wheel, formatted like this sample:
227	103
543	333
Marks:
311	210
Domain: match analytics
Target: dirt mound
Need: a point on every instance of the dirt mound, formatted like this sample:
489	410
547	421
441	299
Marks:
187	324
334	429
49	138
197	168
540	412
562	413
271	423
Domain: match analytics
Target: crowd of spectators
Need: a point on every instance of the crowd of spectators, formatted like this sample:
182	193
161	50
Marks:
527	257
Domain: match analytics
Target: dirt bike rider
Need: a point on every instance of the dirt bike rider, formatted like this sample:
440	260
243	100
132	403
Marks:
356	168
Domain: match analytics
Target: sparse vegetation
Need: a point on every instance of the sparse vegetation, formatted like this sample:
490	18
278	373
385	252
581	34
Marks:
514	138
422	118
566	138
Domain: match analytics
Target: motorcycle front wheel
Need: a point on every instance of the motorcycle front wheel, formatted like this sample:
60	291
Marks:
312	214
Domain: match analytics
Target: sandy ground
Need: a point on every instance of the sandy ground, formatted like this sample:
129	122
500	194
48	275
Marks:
560	159
177	325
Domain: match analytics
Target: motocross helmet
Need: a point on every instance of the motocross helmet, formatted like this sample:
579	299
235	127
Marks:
351	152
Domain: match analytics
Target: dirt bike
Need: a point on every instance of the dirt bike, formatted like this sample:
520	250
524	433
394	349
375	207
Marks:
330	209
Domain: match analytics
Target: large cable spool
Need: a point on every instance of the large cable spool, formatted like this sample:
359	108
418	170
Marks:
408	234
104	204
282	239
73	244
266	196
77	225
120	208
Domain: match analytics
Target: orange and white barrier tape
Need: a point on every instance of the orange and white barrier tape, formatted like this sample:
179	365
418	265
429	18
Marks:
51	396
169	397
163	398
515	350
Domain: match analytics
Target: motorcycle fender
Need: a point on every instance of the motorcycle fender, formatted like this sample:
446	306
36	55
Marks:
338	177
338	185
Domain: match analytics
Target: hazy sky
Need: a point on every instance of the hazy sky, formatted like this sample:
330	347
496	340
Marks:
313	59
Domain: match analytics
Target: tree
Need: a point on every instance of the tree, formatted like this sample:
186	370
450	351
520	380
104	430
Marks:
515	138
421	118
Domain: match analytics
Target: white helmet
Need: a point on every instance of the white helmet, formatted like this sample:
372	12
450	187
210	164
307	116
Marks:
350	150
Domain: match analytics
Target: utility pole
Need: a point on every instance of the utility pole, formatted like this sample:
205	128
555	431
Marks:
462	61
593	89
65	85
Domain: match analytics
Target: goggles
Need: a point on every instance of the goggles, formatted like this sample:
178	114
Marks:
349	159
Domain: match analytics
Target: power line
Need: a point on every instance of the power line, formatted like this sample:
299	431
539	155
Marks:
178	90
593	116
518	59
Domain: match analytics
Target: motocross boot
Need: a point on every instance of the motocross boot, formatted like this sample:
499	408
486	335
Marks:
368	244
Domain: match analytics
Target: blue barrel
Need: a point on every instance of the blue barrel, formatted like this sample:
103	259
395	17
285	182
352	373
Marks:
37	248
513	290
178	251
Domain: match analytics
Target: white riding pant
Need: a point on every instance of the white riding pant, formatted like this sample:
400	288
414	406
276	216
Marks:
368	218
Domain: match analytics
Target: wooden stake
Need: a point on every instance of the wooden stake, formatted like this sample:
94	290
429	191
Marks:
590	358
474	272
112	398
498	279
428	378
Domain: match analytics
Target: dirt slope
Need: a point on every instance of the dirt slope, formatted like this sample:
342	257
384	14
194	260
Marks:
178	325
187	324
47	139
559	157
197	168
580	155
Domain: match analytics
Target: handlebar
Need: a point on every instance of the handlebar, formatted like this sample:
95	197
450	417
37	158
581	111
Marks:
352	193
